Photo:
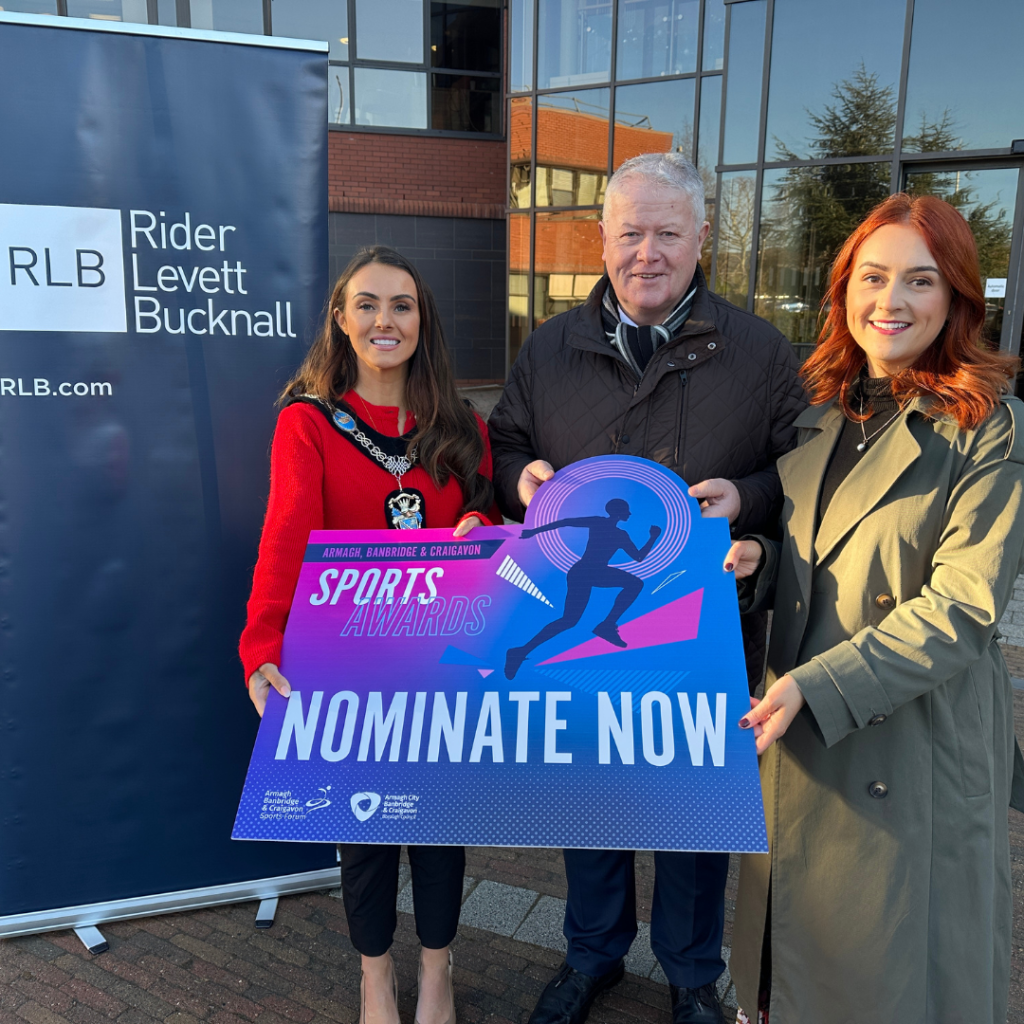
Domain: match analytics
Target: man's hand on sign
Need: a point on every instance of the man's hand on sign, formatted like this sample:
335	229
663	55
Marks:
260	682
719	499
532	477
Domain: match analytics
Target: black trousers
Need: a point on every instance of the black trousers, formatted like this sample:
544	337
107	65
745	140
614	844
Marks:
369	886
687	915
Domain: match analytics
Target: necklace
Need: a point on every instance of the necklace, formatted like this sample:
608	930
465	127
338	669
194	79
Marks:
868	438
403	507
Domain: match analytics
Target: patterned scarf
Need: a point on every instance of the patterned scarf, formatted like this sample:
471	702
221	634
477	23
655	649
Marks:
637	344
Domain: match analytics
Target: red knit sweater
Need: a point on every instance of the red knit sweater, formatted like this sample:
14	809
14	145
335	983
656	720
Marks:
320	481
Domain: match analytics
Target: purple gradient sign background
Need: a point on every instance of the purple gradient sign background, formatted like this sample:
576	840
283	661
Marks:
416	716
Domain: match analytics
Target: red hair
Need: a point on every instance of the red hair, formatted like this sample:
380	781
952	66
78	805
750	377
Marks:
961	376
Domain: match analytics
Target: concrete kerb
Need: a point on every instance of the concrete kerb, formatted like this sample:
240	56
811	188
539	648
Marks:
527	916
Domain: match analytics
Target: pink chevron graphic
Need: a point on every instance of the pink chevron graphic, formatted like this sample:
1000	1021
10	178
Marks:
668	624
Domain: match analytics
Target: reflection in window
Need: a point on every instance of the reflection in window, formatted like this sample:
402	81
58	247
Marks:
834	79
986	198
735	217
337	94
520	19
572	148
656	117
313	19
707	154
520	128
389	30
518	282
396	99
567	262
466	35
710	130
980	108
657	37
743	96
109	10
228	15
574	39
806	215
30	6
714	35
461	103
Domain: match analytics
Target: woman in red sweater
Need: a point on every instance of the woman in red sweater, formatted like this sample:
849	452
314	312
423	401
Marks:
373	435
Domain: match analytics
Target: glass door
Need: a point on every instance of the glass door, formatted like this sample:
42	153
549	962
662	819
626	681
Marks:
989	197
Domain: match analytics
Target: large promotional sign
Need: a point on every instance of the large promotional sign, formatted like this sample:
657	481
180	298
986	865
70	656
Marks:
575	682
163	260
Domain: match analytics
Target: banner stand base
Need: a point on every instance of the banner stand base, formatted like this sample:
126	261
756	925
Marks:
93	914
92	939
266	913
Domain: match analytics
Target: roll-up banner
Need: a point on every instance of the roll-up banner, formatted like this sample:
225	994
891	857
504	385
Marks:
163	261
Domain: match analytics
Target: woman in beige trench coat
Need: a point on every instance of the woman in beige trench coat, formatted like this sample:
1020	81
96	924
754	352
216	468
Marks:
887	724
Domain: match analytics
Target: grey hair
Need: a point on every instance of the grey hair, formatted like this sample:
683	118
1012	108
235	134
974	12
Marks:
668	170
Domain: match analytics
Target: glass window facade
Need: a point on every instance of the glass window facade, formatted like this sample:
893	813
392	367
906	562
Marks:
574	42
396	99
227	15
849	70
109	10
30	6
800	116
313	19
978	107
744	84
390	30
654	117
657	37
412	65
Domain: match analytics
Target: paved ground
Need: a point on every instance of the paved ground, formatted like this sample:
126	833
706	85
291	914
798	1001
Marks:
213	965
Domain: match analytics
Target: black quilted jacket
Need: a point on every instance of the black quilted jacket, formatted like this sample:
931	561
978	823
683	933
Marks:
718	400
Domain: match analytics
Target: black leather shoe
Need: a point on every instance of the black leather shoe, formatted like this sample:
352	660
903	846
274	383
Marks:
569	994
696	1005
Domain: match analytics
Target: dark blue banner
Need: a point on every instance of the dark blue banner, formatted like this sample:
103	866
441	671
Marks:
163	260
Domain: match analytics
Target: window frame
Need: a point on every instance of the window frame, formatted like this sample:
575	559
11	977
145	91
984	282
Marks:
184	20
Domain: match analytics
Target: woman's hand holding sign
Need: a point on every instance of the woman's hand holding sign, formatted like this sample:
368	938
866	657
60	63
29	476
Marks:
773	715
260	682
743	558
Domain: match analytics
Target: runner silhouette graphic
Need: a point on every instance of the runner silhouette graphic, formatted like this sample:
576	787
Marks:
592	570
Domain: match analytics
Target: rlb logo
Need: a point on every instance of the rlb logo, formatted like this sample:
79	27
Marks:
372	800
61	269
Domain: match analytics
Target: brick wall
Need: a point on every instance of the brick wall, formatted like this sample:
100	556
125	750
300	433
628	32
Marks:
416	175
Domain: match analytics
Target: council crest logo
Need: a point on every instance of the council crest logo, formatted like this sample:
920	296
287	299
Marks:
372	800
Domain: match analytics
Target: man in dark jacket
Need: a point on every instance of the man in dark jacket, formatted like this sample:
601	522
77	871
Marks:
653	365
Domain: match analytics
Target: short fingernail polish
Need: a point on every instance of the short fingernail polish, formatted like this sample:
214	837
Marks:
744	723
729	567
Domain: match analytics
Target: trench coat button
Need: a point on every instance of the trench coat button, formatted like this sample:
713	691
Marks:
624	438
885	602
670	364
879	790
712	345
692	356
877	720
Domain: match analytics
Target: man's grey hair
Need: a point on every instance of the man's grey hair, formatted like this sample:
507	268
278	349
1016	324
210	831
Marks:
668	170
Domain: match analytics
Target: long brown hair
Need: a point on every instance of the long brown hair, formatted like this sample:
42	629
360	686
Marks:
448	441
962	377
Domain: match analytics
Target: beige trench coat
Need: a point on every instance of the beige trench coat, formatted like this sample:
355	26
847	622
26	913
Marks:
886	801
